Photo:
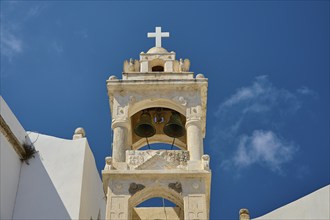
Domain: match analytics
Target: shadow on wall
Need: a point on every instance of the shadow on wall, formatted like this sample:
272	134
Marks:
37	197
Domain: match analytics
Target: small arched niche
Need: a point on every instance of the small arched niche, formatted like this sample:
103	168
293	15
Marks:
156	65
159	117
157	69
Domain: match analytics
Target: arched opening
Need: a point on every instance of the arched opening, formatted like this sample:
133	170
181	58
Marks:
158	127
149	203
157	69
157	208
156	65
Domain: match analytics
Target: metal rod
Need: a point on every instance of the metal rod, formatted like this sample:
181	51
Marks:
172	144
164	208
148	143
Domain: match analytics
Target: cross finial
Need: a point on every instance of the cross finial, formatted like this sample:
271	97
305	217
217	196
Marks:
158	35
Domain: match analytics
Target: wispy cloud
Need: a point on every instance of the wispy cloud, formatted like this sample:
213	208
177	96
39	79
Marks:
13	19
57	47
304	90
83	33
265	148
11	45
249	125
36	9
260	97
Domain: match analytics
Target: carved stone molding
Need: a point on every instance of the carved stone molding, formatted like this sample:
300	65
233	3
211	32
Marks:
108	163
134	188
176	187
181	100
157	159
206	162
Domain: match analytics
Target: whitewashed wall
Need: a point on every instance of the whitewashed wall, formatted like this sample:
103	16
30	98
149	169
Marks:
53	185
92	197
10	164
313	206
60	182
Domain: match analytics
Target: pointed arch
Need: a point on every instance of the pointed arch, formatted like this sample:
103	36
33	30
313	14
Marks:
156	191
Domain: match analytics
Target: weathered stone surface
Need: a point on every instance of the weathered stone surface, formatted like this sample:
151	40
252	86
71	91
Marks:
157	159
161	86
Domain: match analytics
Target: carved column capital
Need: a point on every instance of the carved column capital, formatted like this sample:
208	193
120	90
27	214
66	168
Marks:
194	120
120	122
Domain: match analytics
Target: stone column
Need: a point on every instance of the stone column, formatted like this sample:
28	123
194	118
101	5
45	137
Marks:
120	140
194	138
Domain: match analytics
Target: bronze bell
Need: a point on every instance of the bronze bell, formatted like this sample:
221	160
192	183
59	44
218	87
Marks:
174	127
145	128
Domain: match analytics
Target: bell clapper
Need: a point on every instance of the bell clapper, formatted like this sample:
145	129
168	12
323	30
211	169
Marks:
148	142
172	144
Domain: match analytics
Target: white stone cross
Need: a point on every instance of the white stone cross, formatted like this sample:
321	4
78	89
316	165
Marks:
158	35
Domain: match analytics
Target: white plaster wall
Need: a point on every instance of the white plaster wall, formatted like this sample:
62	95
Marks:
313	206
50	187
92	196
10	166
61	182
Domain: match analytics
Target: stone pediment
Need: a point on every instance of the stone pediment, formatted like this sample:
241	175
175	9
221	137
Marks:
157	159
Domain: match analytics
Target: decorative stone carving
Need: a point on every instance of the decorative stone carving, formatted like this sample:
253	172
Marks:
108	163
157	159
184	65
196	207
181	65
134	188
131	66
118	208
176	186
132	99
113	77
244	214
181	100
79	133
120	110
206	162
195	185
118	186
200	76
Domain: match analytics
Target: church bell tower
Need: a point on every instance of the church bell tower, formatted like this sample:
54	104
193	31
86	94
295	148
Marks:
156	106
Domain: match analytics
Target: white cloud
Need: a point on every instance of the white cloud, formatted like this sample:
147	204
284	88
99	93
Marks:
11	45
262	110
57	47
82	33
304	90
264	148
36	10
13	20
260	97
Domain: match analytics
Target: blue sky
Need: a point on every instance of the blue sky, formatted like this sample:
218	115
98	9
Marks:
268	68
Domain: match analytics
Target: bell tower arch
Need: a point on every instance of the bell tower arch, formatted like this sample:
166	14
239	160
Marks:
157	100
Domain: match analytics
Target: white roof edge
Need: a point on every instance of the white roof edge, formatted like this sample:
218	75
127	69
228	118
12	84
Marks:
304	207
